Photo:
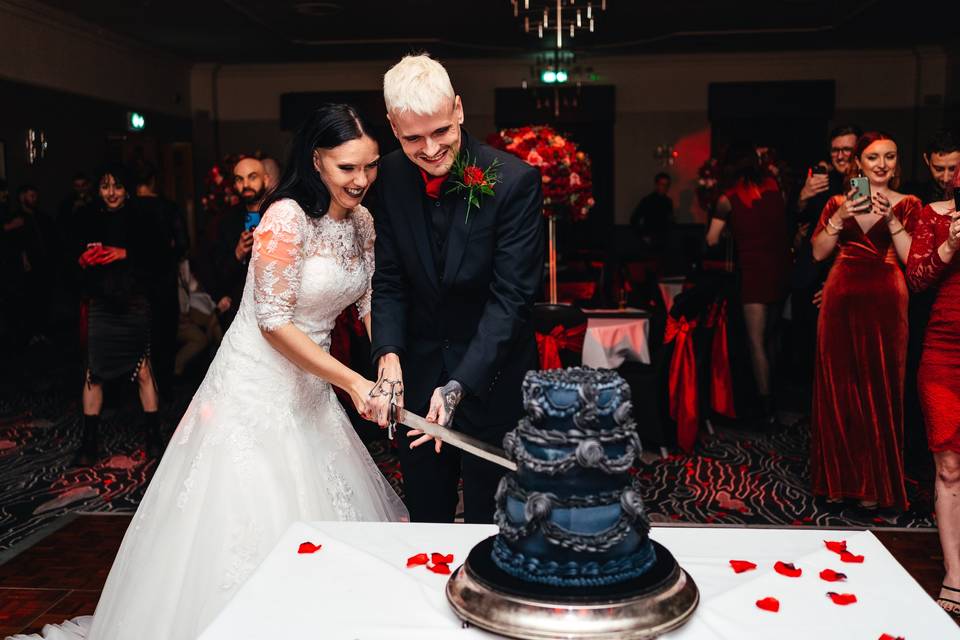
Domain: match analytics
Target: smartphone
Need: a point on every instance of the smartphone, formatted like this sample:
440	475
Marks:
819	170
862	185
251	221
956	199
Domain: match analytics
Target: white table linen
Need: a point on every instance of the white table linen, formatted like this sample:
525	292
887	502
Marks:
609	342
358	586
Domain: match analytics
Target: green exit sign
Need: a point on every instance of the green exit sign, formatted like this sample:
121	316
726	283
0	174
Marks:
136	121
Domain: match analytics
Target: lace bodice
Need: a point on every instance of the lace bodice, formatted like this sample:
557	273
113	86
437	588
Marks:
306	270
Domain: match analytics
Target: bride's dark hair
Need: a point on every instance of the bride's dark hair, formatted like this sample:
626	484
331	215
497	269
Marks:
329	126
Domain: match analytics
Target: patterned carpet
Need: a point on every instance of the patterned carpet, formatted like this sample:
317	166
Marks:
733	478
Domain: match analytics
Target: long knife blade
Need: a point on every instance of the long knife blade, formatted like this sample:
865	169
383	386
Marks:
459	440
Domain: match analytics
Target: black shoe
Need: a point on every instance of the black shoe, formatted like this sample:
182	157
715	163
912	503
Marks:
86	455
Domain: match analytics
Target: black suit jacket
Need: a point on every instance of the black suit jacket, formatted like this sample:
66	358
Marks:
474	320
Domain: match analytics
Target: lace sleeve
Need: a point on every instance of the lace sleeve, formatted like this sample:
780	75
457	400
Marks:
367	236
924	266
277	263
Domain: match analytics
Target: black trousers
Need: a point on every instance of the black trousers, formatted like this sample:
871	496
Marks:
430	480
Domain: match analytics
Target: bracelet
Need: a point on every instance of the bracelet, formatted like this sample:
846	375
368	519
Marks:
900	230
833	226
826	230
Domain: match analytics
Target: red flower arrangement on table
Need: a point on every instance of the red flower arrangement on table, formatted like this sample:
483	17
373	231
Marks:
220	194
564	169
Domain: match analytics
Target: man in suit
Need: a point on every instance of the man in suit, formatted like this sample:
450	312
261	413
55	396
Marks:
453	293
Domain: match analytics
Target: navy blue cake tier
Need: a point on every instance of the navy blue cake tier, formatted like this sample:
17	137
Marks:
571	516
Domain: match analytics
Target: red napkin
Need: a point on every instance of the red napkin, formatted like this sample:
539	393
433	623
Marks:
842	598
787	569
739	566
769	604
832	576
309	547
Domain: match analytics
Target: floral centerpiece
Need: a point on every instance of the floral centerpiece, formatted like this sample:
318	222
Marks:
565	170
218	183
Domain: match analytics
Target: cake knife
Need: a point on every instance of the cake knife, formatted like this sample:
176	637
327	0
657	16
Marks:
458	439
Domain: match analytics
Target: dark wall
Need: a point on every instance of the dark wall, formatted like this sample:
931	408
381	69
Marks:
81	133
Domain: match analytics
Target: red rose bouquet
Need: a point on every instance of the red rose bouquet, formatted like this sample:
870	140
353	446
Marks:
564	170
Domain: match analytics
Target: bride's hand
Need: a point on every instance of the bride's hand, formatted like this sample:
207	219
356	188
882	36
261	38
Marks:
360	395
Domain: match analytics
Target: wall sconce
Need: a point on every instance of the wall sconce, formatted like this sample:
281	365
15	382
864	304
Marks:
36	142
665	154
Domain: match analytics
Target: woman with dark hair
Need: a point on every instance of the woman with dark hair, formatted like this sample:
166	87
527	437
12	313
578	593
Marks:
754	208
120	251
264	443
933	262
857	419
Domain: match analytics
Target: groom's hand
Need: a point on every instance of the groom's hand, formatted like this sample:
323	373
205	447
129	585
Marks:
443	404
387	392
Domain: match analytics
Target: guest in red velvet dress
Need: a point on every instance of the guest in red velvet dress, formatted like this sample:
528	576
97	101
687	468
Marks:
933	262
756	213
857	421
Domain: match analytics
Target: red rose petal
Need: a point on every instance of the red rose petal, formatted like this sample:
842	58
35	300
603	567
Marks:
846	556
417	560
739	566
769	604
887	636
836	547
309	547
832	576
787	569
437	558
439	568
842	598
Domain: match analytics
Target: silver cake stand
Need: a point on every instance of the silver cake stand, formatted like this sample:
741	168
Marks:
639	617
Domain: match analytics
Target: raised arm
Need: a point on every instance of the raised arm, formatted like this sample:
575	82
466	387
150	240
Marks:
278	265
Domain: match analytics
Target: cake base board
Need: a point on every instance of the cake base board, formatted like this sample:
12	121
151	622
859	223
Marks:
487	597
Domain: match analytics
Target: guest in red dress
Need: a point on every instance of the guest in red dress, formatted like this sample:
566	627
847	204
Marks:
933	263
857	420
756	213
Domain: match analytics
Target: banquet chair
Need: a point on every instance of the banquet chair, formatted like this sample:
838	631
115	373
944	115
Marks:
560	330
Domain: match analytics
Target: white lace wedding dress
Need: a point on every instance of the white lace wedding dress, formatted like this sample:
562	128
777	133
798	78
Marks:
262	444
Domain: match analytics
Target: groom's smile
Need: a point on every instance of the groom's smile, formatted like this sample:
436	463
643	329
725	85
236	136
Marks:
430	141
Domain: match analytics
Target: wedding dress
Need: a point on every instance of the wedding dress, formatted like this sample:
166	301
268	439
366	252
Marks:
262	444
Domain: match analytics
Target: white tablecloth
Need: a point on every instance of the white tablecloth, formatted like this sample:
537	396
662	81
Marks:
358	587
609	342
670	288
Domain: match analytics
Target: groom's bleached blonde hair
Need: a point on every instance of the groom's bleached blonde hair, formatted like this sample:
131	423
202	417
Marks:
417	83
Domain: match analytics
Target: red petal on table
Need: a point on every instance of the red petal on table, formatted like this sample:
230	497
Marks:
739	566
887	636
832	576
769	604
438	558
842	598
836	547
309	547
439	568
787	569
846	556
417	560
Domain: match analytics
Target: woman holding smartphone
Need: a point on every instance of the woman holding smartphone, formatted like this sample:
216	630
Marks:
121	251
857	420
934	263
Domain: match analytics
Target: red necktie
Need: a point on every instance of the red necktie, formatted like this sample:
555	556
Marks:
432	184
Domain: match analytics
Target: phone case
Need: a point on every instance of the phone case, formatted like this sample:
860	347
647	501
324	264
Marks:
862	185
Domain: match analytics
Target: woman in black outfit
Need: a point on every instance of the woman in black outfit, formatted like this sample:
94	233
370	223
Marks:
120	249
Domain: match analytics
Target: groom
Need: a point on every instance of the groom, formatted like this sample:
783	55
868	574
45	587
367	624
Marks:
453	289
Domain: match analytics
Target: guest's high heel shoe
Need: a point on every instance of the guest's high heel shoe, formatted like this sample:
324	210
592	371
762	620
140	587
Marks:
951	606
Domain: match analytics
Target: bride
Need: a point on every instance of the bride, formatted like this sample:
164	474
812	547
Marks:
264	442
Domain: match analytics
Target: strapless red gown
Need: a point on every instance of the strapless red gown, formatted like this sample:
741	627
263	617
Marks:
939	376
857	421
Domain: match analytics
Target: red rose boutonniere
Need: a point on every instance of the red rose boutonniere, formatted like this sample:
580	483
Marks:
477	182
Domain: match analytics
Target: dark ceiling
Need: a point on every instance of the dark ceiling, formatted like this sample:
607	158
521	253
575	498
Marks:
229	31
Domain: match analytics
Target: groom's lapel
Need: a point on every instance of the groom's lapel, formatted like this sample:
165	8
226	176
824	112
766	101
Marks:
461	225
412	203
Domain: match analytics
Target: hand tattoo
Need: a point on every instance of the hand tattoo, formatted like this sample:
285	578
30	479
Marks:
394	390
451	394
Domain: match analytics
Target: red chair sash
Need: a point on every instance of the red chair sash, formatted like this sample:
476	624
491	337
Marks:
683	381
721	381
550	344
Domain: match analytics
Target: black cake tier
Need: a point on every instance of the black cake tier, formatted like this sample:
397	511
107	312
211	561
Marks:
571	516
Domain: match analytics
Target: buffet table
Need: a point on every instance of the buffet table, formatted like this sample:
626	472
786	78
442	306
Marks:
357	586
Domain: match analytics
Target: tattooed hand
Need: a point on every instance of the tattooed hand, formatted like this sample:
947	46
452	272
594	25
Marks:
443	404
386	397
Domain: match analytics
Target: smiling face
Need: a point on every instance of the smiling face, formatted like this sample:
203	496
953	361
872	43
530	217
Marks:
879	162
347	171
943	166
432	141
112	192
841	150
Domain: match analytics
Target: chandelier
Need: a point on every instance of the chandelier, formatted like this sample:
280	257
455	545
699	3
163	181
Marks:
564	17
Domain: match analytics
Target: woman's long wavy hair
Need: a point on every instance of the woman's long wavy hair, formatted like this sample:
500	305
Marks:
121	176
329	126
864	141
